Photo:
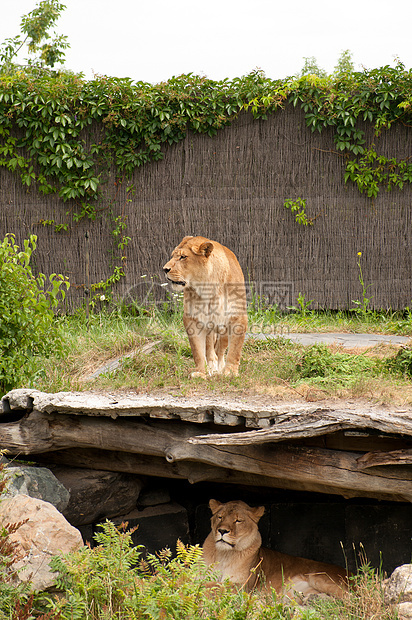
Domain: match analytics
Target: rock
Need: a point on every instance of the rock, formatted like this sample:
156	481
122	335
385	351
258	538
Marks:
158	527
398	588
45	534
38	482
96	494
153	497
404	611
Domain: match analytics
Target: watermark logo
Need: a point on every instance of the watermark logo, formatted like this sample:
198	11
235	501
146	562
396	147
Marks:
149	293
270	293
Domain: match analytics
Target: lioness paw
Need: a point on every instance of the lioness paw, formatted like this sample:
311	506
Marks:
197	374
230	371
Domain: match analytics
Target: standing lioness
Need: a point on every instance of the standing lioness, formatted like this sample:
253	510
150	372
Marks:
214	311
234	546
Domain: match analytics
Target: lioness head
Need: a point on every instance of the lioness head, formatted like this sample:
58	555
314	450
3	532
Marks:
234	525
188	264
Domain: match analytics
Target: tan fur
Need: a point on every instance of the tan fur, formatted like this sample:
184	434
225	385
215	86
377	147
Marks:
234	546
214	312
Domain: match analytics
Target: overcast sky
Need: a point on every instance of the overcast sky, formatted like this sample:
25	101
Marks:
152	40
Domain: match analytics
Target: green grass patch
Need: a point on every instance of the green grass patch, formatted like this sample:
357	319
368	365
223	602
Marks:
319	365
401	363
155	355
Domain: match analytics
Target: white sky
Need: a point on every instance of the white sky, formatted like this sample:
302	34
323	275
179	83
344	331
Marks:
152	40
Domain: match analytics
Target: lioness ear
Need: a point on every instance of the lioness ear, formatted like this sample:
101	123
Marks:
256	513
214	505
206	248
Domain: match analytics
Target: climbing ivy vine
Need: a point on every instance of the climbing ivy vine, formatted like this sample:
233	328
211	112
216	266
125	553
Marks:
380	97
372	171
48	117
298	208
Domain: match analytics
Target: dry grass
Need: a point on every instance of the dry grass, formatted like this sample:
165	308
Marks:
364	601
155	356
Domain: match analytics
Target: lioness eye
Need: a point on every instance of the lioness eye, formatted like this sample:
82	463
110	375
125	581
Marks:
238	521
182	257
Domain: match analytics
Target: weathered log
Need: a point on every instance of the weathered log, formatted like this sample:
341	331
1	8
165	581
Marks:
193	472
126	462
394	457
41	432
298	425
308	465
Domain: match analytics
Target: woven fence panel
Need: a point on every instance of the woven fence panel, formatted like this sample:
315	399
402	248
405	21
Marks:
232	188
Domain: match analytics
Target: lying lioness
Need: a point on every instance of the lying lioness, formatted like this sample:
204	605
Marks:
234	547
214	310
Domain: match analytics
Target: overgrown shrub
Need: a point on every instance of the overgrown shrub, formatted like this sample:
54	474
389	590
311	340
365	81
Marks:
110	581
113	582
26	312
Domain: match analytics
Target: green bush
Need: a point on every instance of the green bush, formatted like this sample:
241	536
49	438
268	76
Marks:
111	582
27	312
401	363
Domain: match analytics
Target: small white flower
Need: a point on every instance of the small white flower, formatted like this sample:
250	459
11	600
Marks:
164	284
102	297
144	276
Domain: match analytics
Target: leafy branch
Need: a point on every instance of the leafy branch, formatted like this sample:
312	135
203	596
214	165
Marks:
35	34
